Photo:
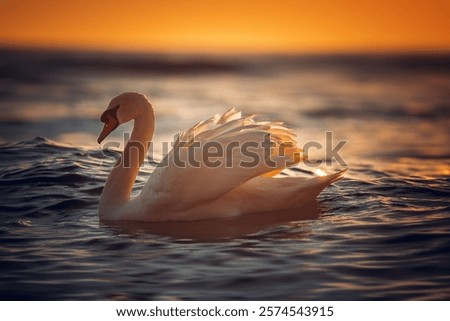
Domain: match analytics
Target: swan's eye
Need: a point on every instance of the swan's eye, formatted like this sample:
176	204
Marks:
109	118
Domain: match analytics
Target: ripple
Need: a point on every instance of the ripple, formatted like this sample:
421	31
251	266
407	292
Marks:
377	236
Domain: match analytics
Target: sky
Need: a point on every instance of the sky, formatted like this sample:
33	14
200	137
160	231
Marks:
227	26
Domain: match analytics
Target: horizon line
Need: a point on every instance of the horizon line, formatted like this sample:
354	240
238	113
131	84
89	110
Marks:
5	46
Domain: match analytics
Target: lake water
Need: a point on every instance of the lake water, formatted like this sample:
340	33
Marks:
381	233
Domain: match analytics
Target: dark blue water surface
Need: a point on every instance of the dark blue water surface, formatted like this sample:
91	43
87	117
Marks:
383	232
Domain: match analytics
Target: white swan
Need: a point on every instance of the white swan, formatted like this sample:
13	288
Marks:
209	185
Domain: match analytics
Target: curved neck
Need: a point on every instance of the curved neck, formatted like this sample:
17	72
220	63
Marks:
118	187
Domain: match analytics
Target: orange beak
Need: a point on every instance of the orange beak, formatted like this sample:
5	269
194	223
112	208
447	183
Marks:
107	129
109	117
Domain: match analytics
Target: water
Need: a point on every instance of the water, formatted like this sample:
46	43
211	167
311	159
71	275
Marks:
383	232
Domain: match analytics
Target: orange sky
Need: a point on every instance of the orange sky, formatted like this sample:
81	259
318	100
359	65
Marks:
228	26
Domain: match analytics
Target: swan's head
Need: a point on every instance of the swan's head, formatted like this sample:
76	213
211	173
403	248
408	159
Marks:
122	109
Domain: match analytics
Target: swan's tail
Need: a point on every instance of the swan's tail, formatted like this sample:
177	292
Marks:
336	176
316	185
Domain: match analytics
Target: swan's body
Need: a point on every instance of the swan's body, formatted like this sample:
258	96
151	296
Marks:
228	188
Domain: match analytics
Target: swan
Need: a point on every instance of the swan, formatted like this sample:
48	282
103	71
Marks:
202	177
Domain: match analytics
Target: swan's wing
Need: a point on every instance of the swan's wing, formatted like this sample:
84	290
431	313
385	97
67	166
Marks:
217	155
265	194
272	194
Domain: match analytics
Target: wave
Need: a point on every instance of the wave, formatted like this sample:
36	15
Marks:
377	235
371	111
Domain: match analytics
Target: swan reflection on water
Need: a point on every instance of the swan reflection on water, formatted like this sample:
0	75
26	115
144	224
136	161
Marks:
217	230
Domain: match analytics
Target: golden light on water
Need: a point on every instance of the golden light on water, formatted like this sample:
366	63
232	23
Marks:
320	172
242	26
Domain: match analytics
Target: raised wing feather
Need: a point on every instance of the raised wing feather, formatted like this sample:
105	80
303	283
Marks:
218	155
